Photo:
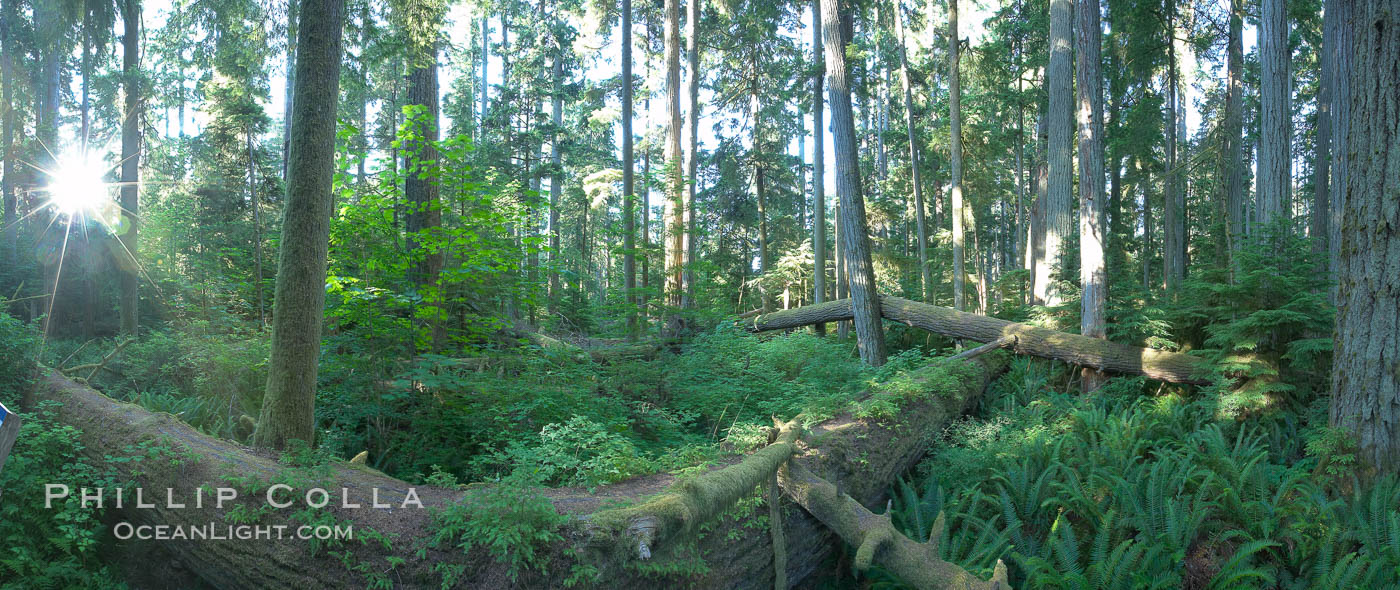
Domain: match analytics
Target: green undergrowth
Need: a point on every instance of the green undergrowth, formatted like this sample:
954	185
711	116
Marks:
1120	489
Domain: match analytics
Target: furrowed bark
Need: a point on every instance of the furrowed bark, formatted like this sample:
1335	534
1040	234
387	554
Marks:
862	456
1173	367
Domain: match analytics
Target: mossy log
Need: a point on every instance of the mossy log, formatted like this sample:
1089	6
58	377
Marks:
1104	355
877	541
675	519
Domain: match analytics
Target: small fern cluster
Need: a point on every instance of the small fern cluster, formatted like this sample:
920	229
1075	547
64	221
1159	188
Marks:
1117	490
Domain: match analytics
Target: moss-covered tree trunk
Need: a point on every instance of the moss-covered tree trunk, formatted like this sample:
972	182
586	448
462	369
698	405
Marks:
288	405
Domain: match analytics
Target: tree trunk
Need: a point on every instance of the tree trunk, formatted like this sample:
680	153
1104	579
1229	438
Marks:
819	292
1059	77
1037	264
692	50
288	405
925	271
421	189
1093	279
1076	349
131	165
756	160
257	229
1365	374
629	227
675	181
485	81
1343	32
855	243
1232	141
1275	117
1174	220
955	156
1320	220
7	131
290	83
861	456
556	173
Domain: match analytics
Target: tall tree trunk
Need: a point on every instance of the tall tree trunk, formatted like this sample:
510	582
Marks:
819	292
131	164
421	189
1059	77
925	271
257	228
556	172
1365	379
1174	221
291	81
692	50
49	32
361	175
485	84
1093	279
1232	143
1342	58
1275	117
855	243
86	131
7	130
288	410
955	156
629	223
1036	264
1320	221
756	159
675	181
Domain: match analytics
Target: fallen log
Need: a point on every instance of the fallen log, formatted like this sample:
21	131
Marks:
1104	355
876	540
692	535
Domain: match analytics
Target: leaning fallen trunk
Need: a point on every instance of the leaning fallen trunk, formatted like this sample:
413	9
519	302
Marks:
1104	355
692	533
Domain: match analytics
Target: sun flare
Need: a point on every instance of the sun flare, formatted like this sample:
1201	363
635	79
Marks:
76	187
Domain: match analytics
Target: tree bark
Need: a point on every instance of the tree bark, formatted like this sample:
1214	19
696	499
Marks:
819	289
921	223
7	130
131	170
956	159
629	227
1342	50
1174	219
556	173
1365	373
1076	349
1232	142
257	228
692	50
289	403
855	243
675	181
1093	279
1320	221
421	189
1036	262
1275	117
1059	77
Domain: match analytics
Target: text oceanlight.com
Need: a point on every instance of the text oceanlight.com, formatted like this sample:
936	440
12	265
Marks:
226	532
